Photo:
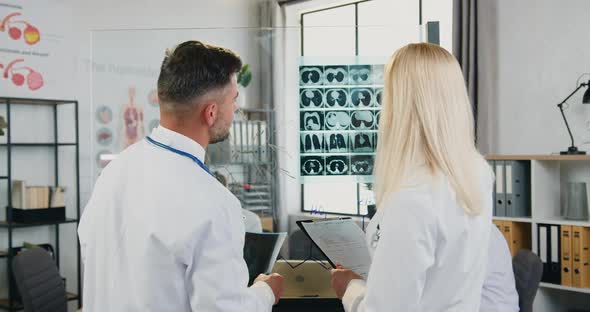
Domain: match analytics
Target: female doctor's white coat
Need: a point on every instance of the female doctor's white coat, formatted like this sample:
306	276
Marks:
161	234
428	255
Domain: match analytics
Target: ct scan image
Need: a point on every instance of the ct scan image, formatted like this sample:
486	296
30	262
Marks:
310	75
378	74
336	75
361	165
361	98
336	98
337	120
311	98
378	94
311	120
362	142
337	142
337	165
312	165
360	75
312	142
362	120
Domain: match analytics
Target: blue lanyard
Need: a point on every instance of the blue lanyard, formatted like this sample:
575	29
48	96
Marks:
181	153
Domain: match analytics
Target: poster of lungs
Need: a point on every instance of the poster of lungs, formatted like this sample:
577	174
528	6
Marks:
36	58
339	115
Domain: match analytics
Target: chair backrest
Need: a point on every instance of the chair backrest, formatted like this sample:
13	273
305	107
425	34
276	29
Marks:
38	280
528	270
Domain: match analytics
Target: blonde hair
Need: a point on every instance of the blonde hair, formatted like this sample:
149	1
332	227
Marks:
426	117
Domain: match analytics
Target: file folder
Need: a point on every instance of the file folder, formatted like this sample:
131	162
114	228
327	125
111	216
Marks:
549	252
499	225
518	236
517	188
492	164
500	206
566	256
581	252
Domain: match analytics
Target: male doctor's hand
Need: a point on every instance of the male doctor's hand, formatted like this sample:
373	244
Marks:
340	279
275	281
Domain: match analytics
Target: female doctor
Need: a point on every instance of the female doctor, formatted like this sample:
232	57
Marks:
430	234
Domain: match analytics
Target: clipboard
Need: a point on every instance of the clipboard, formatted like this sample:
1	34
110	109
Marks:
300	225
340	240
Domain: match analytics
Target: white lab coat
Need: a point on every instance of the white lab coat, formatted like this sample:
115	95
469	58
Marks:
160	234
427	255
499	288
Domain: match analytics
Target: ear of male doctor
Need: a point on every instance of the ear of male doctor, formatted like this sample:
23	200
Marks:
160	233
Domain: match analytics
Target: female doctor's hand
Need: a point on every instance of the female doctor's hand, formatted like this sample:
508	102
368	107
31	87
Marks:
340	279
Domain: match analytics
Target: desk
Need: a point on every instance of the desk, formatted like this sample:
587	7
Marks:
309	305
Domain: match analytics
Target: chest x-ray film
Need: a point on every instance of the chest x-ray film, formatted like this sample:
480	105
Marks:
339	116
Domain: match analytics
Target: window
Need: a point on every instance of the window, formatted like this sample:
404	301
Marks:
338	36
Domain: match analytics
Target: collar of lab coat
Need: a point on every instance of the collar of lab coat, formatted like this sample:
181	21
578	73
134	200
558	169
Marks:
178	141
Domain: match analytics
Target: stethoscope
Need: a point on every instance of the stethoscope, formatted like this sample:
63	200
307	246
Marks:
181	153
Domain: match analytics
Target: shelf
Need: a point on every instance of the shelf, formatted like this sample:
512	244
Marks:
256	208
514	219
3	178
27	101
339	154
37	144
255	194
539	157
4	304
565	288
4	224
563	222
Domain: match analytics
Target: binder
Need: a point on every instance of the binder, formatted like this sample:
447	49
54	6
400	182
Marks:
549	252
518	236
581	252
517	188
566	256
493	167
500	206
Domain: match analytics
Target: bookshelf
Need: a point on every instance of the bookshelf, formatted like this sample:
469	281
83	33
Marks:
548	175
9	147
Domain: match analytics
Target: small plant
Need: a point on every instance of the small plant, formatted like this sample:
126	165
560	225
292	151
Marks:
245	76
2	125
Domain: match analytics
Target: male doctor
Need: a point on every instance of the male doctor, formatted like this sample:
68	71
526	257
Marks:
160	233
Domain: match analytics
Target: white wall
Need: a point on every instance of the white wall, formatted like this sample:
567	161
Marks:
542	47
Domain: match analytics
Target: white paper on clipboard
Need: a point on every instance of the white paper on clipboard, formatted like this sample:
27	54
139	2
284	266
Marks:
342	241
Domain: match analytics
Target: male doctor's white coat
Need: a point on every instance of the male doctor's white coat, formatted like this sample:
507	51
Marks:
161	234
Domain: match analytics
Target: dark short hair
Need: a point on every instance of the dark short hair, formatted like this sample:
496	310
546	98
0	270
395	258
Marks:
192	69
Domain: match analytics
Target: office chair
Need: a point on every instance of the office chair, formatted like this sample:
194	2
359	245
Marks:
38	280
528	270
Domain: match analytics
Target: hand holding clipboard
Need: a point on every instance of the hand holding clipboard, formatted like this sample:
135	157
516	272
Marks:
341	241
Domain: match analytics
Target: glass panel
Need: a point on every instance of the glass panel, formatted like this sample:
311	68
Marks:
401	29
330	32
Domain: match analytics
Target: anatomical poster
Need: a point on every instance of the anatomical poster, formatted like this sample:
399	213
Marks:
339	108
36	59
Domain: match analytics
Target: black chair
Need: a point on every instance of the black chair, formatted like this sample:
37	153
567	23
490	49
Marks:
39	283
528	270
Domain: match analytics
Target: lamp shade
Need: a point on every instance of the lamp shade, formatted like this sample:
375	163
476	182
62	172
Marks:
586	97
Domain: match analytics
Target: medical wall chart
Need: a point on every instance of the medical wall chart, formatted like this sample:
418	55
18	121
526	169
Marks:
339	116
36	58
